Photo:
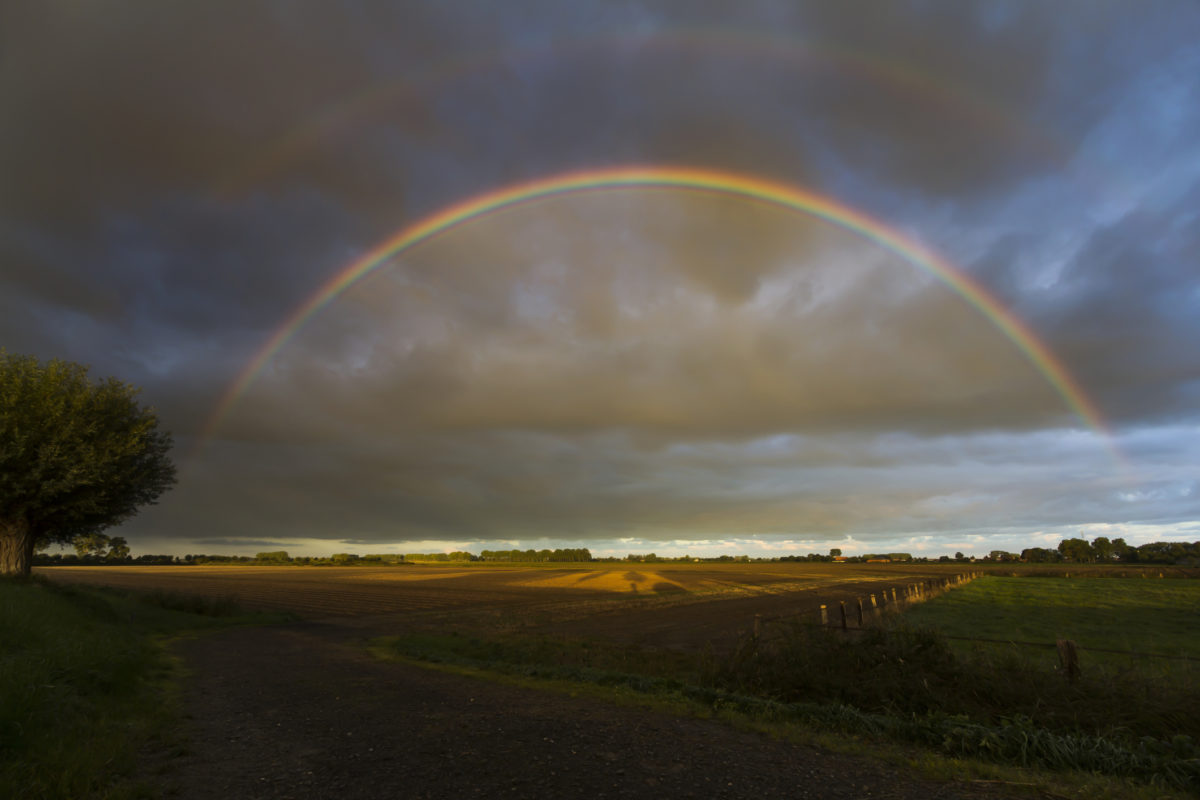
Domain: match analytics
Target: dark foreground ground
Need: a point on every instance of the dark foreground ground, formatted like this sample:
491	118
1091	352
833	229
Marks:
303	711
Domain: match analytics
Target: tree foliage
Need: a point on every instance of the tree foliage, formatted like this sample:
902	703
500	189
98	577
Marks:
76	456
567	554
91	544
1076	550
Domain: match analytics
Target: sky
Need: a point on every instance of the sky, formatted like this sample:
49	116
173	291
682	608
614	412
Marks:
1003	351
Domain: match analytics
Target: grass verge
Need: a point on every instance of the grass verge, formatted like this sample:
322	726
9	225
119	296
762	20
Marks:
84	683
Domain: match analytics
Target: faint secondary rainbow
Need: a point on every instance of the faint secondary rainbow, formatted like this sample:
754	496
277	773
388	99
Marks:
925	92
732	184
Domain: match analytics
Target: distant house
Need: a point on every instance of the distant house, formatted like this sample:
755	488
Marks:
879	561
839	558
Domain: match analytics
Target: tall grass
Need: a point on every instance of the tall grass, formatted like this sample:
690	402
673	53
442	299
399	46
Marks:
81	686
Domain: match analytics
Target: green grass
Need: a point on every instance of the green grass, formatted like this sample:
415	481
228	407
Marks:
1138	615
83	684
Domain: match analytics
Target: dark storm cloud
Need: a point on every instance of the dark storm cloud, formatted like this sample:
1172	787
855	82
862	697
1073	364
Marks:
1115	301
1128	303
175	179
218	542
849	337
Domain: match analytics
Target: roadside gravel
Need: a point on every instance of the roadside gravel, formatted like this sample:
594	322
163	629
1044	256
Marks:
303	711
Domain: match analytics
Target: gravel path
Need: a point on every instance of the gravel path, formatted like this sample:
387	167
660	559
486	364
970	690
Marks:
303	711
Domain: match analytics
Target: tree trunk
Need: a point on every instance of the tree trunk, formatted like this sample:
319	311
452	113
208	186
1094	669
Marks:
16	548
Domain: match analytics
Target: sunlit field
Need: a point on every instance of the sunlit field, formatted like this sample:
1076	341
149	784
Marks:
1149	624
693	603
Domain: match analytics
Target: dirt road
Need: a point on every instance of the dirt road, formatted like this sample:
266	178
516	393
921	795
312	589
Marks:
303	711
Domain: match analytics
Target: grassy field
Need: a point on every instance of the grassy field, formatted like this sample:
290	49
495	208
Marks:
83	683
1144	616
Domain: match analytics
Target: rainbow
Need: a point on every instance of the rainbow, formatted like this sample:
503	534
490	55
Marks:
693	179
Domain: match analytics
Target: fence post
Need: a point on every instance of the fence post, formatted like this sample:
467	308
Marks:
860	616
1069	658
824	615
757	625
842	604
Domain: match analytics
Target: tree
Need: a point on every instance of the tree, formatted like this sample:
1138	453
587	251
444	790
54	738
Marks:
76	456
91	544
1076	550
1040	555
1122	551
834	552
118	549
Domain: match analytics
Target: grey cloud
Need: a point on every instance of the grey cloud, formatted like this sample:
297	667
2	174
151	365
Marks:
848	337
1117	312
225	542
177	180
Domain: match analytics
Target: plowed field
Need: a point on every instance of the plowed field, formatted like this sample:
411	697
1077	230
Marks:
667	605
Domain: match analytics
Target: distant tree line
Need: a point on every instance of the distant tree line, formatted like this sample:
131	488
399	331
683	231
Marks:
1102	550
96	548
457	555
836	555
570	554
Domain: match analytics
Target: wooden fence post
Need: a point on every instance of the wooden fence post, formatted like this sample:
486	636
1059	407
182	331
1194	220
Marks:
842	604
1069	658
757	625
824	615
860	616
